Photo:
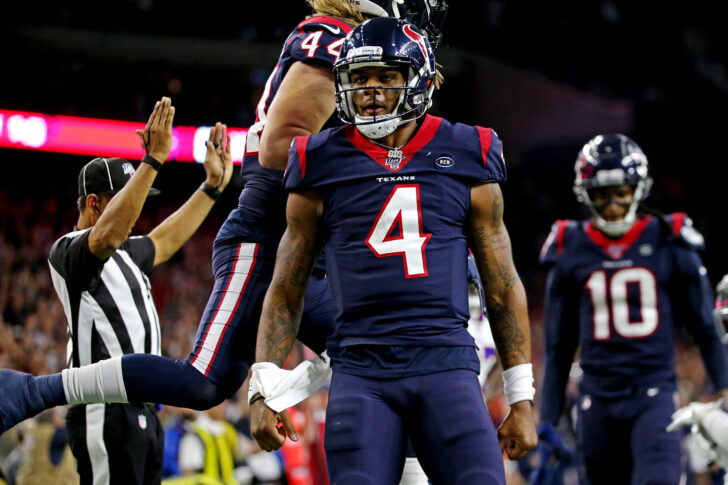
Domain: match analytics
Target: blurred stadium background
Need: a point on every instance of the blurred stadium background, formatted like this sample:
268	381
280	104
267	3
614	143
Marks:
546	76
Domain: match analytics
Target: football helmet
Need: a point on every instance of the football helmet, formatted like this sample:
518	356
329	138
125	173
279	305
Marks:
427	15
720	314
389	42
609	160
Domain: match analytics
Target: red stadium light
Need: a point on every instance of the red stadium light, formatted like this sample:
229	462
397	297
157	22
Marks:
102	138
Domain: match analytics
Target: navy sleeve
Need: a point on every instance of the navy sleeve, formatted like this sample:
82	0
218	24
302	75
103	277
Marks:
561	338
693	304
141	250
492	155
295	174
318	40
73	260
554	243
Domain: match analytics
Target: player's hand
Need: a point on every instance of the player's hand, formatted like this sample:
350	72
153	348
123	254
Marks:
270	428
692	414
517	434
156	136
218	160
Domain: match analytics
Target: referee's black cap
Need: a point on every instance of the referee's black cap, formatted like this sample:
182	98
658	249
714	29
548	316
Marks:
106	175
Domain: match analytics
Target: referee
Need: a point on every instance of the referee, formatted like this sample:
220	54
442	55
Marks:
101	276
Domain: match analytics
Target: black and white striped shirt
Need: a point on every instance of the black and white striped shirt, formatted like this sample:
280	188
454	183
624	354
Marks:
108	304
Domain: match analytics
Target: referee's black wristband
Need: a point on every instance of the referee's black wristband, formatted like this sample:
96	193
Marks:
150	160
255	399
211	191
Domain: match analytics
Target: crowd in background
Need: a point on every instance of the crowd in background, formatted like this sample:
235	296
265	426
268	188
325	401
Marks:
33	329
672	72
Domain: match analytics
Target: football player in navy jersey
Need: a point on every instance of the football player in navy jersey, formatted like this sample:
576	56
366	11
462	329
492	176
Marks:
617	283
297	100
399	196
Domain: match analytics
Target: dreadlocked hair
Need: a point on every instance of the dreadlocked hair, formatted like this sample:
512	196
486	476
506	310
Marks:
439	77
345	10
644	210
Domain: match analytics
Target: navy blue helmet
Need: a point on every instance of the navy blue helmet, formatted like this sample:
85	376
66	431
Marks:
427	15
386	42
609	160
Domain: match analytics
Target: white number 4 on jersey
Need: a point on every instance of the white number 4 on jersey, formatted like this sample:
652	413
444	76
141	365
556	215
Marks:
402	209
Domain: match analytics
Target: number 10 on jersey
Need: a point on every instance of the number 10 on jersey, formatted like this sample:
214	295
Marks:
609	298
401	211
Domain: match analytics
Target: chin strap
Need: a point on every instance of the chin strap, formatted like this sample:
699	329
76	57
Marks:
379	129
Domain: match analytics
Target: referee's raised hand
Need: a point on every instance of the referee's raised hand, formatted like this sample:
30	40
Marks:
157	135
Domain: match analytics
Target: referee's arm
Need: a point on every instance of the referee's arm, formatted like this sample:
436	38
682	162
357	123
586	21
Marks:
176	229
121	213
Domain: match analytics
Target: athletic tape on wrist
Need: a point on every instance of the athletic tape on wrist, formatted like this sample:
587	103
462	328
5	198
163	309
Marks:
518	383
285	388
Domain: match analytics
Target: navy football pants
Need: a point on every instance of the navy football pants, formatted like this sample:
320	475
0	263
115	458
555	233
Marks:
224	346
367	422
624	441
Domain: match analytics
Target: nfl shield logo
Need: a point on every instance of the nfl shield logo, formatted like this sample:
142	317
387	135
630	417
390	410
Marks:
128	168
142	421
394	158
616	250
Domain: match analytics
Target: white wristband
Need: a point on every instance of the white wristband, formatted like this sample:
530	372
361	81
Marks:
518	383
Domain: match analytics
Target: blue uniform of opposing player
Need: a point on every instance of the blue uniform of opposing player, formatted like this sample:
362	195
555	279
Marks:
397	201
244	249
617	285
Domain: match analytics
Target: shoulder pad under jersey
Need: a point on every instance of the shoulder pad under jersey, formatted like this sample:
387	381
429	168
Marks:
682	228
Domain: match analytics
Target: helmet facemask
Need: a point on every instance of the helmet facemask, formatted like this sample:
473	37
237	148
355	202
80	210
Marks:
620	227
607	161
412	103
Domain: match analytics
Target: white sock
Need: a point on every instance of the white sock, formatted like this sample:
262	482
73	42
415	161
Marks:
94	383
413	474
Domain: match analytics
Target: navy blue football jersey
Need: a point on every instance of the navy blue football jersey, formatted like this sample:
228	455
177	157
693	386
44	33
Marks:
396	249
617	299
260	216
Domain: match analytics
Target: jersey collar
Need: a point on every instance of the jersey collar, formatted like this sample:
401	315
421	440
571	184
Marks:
422	137
615	248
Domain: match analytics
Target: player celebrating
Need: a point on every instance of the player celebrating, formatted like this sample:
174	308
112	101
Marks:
298	99
398	194
617	283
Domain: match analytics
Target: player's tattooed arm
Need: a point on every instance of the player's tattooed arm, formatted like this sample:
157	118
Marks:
505	298
296	256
